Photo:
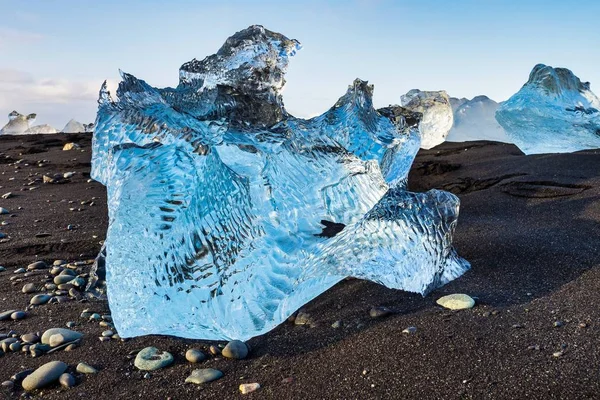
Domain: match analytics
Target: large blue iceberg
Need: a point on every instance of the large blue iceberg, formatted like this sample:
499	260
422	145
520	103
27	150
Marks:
554	112
227	214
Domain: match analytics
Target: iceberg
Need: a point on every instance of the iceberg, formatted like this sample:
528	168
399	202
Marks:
227	214
554	112
17	123
437	115
40	129
475	119
74	126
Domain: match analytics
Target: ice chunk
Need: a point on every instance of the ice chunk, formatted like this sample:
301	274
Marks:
475	119
40	129
554	112
437	115
74	126
17	123
227	214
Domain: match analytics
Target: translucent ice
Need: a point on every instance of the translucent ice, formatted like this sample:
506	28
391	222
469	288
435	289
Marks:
475	119
227	214
17	123
437	115
74	126
554	112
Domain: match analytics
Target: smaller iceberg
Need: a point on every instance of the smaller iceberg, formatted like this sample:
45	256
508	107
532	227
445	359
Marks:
554	112
18	123
41	129
74	126
437	115
475	120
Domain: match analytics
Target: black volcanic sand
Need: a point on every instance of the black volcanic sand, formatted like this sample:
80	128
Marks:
530	225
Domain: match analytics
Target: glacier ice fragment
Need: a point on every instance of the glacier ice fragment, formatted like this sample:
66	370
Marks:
437	115
554	112
475	119
227	214
17	124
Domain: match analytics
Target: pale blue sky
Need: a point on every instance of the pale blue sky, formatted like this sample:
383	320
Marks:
55	54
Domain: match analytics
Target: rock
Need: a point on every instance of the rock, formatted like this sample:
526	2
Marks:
246	388
56	340
66	380
37	265
30	338
44	375
70	324
558	354
20	271
410	330
29	288
8	385
67	335
19	376
5	343
6	315
302	318
235	349
68	175
199	376
214	350
558	324
456	301
40	299
4	211
107	333
71	347
7	195
84	368
2	269
62	279
378	312
57	263
337	324
195	356
70	146
151	358
17	315
15	347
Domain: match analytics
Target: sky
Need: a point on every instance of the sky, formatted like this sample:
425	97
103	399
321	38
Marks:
54	55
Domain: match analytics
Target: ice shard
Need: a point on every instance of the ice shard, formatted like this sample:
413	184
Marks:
227	214
554	112
475	119
437	114
74	126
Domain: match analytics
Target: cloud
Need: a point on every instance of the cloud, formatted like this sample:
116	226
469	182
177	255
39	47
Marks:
61	99
10	37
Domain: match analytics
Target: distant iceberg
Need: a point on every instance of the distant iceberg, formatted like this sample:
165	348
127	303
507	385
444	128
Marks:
475	120
40	129
437	115
554	112
74	127
18	123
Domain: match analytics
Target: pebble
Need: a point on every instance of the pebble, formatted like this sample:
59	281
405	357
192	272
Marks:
66	380
40	299
151	358
18	315
44	375
67	335
108	333
29	288
214	350
5	344
84	368
558	354
30	338
456	301
71	347
558	324
15	347
62	279
199	376
4	211
336	324
378	312
6	315
56	340
20	271
302	318
3	235
195	356
57	263
2	269
246	388
410	330
19	376
37	265
8	385
71	324
235	349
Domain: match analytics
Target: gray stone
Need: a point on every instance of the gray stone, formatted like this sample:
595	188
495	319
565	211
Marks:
456	301
8	385
67	334
5	315
4	211
195	356
18	315
56	340
19	376
15	347
235	349
84	368
44	375
108	333
410	330
37	265
40	299
379	312
30	338
151	358
2	269
60	279
66	380
5	343
20	271
56	263
29	288
199	376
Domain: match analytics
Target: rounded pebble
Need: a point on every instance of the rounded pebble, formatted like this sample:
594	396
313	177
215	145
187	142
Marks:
151	358
29	288
44	375
195	356
84	368
456	301
18	315
246	388
66	380
67	334
37	265
199	376
235	349
40	299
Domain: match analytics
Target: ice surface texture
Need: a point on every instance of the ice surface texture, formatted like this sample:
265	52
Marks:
17	124
475	119
227	214
437	115
554	112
